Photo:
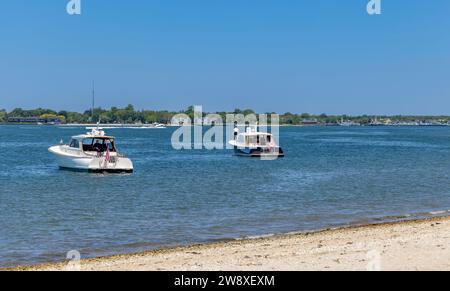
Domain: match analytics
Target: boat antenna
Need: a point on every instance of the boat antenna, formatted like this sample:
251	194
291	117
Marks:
93	100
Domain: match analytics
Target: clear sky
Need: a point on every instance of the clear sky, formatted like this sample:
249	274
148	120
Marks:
317	56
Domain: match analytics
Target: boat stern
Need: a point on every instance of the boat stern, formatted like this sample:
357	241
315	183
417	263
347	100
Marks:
114	165
260	152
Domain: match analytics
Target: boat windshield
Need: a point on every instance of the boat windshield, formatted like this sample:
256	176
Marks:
98	145
75	144
261	140
264	140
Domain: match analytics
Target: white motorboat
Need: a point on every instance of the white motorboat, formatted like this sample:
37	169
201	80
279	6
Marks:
348	123
253	143
154	125
93	152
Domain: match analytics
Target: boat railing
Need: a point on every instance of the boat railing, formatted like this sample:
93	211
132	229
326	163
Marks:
256	145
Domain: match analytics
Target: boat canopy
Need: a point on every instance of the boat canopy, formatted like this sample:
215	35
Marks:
91	143
99	144
96	132
256	133
86	136
255	139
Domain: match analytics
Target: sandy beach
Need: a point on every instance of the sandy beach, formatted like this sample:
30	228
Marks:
407	245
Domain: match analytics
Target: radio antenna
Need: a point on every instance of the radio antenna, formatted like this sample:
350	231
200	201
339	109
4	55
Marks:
93	101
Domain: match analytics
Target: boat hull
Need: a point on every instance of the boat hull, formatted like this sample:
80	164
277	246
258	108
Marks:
98	171
259	152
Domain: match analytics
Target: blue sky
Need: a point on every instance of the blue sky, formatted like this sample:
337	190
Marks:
318	56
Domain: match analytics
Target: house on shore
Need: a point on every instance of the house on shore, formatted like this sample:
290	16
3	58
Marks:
36	120
310	122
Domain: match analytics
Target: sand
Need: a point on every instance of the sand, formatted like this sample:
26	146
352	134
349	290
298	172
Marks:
408	245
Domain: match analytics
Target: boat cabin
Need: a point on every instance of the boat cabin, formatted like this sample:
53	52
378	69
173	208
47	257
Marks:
255	139
94	144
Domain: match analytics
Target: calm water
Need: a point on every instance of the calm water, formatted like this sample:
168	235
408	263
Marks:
330	177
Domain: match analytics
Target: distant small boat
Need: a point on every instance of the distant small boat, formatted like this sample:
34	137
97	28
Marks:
154	125
253	143
93	152
349	123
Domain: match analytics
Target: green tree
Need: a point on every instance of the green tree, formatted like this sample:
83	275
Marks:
3	115
248	112
305	115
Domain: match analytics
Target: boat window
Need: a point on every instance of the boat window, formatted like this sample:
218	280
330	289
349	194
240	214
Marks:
110	145
253	139
88	141
88	145
98	145
75	144
263	140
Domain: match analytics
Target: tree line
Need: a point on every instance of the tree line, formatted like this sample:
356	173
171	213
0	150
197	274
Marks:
129	115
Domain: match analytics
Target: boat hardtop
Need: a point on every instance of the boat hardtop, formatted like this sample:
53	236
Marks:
95	133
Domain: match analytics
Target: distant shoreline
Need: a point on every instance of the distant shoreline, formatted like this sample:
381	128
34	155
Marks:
130	115
169	125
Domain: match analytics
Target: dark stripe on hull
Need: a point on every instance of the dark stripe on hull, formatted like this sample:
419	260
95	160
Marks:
257	153
109	171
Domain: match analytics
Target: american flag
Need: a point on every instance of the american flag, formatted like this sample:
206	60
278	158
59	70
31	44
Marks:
108	155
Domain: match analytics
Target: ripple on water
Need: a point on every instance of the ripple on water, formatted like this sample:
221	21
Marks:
29	171
380	143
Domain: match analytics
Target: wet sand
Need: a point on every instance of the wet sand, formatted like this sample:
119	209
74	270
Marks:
407	245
